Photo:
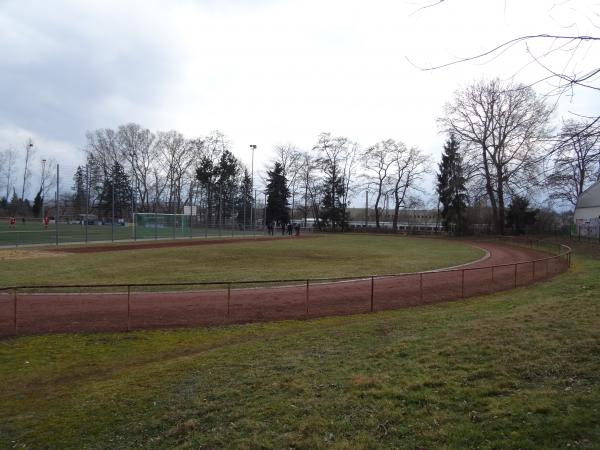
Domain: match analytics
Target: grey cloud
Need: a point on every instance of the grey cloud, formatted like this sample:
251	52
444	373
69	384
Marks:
78	62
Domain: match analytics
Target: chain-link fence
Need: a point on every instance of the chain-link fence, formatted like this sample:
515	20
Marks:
44	309
146	226
112	208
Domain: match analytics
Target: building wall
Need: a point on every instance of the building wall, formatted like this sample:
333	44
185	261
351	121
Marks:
582	214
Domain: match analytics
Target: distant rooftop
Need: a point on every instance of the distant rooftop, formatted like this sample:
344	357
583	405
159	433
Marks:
590	198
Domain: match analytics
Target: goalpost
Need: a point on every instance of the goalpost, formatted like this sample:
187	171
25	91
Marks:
159	225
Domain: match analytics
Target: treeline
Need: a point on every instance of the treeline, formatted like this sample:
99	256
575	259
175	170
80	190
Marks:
17	170
132	168
502	156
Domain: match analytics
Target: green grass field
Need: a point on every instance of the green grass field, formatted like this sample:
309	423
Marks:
34	233
519	369
315	257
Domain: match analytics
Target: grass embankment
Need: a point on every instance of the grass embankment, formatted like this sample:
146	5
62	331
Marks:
325	256
519	369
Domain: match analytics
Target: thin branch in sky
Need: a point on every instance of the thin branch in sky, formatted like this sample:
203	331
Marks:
425	7
505	44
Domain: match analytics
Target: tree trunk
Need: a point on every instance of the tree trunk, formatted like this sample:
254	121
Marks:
396	213
500	217
489	189
377	209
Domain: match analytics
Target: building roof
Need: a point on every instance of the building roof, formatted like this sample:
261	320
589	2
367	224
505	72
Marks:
590	198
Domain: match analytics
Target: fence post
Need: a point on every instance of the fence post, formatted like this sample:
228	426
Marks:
516	275
307	296
15	309
372	291
228	298
462	284
128	308
232	221
421	286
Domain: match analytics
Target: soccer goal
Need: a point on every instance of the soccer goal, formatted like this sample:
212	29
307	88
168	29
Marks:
155	225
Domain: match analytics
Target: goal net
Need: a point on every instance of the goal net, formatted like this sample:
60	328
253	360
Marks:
151	225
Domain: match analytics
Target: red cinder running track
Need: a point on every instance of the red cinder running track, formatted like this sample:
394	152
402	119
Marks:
117	311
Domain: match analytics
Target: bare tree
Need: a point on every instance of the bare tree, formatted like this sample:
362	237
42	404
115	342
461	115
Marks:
576	161
48	177
3	158
564	59
308	179
176	158
8	161
289	157
103	147
377	161
136	145
503	128
208	173
29	151
198	151
333	153
159	186
409	166
349	168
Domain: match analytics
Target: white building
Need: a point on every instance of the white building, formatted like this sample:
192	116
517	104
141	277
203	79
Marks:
587	211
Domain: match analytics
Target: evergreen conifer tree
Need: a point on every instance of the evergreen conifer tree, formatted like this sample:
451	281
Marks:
332	206
277	196
79	198
451	189
244	200
36	209
119	181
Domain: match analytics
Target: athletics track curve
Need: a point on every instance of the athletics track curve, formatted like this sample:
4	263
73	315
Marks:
86	312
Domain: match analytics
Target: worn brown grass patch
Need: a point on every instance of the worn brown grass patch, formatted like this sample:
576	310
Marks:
19	254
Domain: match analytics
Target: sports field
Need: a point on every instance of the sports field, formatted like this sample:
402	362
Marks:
34	233
286	258
518	369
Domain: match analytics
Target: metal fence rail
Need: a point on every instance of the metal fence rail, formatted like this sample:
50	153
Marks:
123	307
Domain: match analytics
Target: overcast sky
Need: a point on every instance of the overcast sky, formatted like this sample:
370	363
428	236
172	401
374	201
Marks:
263	72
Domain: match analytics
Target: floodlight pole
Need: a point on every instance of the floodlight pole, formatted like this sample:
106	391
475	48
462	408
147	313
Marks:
252	147
132	154
43	171
112	220
87	200
57	201
367	207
